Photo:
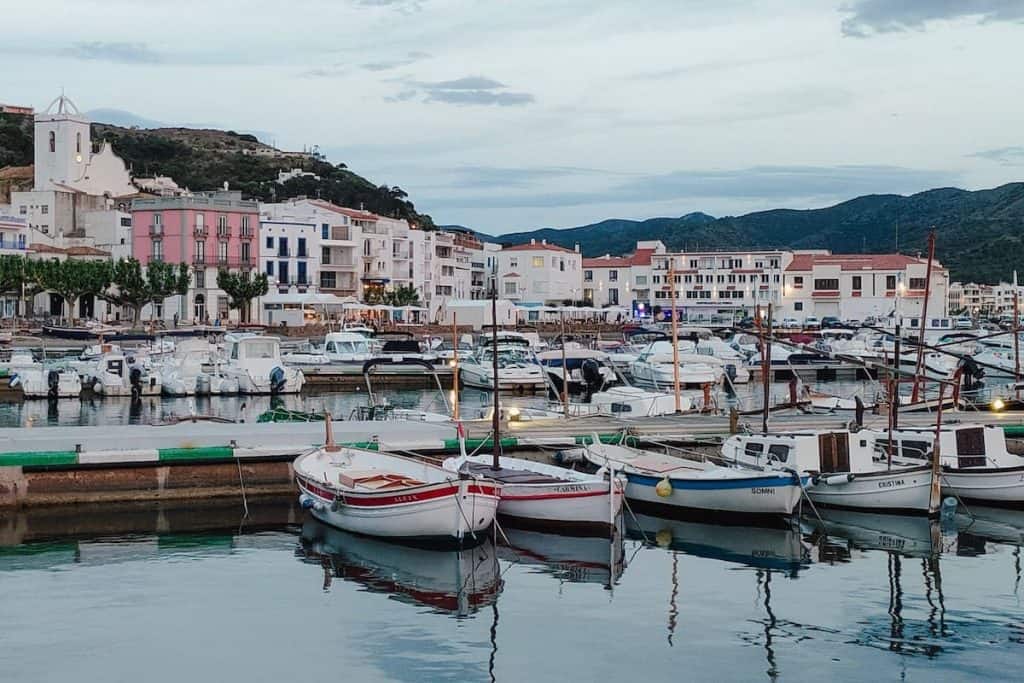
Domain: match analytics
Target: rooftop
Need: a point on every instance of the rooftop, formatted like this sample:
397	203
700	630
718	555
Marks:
534	245
806	262
642	257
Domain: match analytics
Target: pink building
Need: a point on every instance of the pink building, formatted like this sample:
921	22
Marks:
209	231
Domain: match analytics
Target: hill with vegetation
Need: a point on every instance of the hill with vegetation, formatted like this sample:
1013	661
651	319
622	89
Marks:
205	159
980	234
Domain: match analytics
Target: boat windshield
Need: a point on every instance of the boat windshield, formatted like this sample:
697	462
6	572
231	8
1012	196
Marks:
507	356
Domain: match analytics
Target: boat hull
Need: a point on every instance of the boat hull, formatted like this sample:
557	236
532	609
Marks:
905	491
994	486
771	494
573	504
472	377
446	513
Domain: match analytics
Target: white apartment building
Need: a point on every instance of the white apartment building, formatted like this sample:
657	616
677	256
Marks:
13	241
623	281
539	273
290	254
858	286
984	300
718	285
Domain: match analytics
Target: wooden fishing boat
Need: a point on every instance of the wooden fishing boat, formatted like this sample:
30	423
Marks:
392	496
546	494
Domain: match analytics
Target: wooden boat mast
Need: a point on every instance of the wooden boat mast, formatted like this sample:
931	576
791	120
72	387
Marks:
924	318
495	417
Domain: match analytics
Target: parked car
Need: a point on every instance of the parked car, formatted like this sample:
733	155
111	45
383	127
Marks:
830	321
811	322
790	323
963	323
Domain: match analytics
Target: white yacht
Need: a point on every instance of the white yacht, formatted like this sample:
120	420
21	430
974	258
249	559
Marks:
655	367
518	368
40	379
347	347
589	370
254	361
195	369
116	373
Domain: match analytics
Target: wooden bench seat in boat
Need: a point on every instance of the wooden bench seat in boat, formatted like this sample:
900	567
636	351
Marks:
507	475
376	480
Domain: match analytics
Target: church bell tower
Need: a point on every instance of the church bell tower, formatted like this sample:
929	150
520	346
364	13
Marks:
62	145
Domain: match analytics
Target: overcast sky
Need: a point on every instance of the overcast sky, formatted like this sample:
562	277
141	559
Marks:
514	115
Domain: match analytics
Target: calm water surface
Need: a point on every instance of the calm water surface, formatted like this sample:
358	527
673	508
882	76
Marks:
164	594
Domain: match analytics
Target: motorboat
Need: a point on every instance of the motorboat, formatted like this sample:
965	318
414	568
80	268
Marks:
379	408
195	369
381	494
623	402
306	354
976	465
656	368
518	368
402	345
41	379
458	582
676	483
813	401
843	469
117	374
347	347
534	492
589	370
254	361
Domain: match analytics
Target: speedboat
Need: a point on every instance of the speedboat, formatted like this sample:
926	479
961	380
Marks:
347	347
655	367
677	483
40	379
254	361
589	371
195	370
539	493
842	466
392	496
518	368
976	465
306	354
117	374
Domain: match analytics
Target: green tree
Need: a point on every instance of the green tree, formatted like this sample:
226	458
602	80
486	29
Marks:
241	290
402	295
133	287
12	273
72	279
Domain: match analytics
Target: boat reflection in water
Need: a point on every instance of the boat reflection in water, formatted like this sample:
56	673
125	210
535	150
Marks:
456	582
779	548
848	530
573	559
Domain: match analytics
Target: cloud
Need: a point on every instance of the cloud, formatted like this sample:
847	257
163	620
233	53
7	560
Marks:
777	184
325	72
872	17
468	90
388	64
124	53
402	6
1007	156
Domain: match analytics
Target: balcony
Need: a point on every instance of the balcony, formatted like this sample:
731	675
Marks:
156	230
283	253
156	258
337	265
301	254
246	234
338	234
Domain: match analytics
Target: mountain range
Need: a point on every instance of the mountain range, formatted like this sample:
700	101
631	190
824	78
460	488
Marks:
979	234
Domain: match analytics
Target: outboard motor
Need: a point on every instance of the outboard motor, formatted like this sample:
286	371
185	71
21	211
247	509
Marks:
135	379
593	380
730	374
277	380
972	374
53	384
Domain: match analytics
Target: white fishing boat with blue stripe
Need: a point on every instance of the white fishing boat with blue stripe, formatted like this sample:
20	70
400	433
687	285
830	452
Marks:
669	481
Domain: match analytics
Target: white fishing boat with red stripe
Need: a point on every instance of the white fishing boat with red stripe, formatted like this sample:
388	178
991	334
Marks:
392	496
537	493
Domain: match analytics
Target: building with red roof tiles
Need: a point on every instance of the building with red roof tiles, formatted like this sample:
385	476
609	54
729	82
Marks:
539	273
858	286
621	280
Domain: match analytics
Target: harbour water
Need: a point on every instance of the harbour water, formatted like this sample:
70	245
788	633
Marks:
168	594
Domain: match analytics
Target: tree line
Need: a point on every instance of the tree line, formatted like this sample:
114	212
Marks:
125	282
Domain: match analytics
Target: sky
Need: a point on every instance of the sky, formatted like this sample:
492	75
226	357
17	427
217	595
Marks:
506	116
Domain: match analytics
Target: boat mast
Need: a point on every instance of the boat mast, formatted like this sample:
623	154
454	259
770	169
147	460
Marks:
495	417
894	403
1016	341
935	497
675	335
766	370
455	366
565	368
924	317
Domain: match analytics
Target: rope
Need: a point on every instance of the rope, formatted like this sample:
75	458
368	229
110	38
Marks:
241	483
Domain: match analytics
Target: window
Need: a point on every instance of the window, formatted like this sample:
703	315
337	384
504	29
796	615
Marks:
915	282
158	250
561	265
538	261
270	242
199	312
613	276
798	305
246	253
753	449
890	282
798	282
78	144
329	280
513	262
245	226
270	268
325	255
53	141
200	252
200	278
856	283
282	272
44	209
282	246
588	276
829	283
158	219
126	222
302	248
778	452
222	225
301	272
641	279
511	289
23	210
222	252
613	296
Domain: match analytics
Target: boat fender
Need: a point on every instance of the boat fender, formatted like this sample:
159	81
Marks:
306	502
663	488
569	456
14	381
838	479
663	538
